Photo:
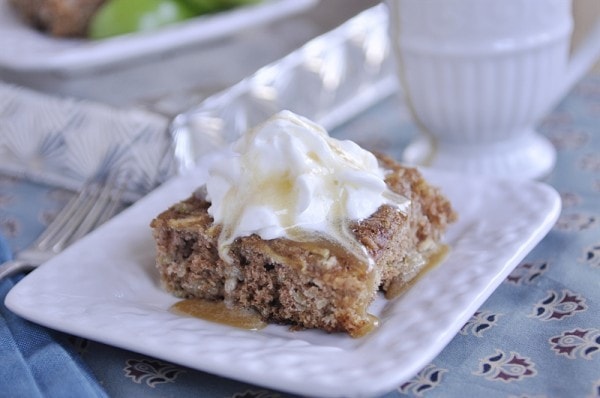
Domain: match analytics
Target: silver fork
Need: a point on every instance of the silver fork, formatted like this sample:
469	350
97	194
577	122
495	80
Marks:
93	205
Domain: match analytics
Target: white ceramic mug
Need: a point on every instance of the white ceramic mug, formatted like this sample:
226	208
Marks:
479	74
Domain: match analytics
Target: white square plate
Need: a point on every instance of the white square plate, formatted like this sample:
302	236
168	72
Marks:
105	288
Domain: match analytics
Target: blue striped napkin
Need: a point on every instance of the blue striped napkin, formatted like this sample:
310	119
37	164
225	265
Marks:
36	361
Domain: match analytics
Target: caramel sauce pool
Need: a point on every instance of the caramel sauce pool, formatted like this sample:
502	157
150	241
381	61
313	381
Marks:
396	289
217	311
371	325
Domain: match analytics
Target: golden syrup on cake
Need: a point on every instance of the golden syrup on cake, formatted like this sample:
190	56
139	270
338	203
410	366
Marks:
217	311
370	326
397	288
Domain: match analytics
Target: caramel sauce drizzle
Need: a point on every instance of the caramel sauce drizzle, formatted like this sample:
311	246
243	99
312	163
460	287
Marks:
217	311
397	287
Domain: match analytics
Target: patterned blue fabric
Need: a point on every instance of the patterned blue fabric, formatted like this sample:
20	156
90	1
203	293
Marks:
5	252
538	335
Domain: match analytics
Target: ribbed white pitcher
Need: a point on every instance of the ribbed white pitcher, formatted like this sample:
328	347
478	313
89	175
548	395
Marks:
479	74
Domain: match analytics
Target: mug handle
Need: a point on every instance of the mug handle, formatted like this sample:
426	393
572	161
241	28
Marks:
582	59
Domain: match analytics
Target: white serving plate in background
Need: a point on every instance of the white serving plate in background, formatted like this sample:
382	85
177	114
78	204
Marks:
25	49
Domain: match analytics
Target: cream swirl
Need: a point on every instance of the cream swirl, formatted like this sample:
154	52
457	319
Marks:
287	178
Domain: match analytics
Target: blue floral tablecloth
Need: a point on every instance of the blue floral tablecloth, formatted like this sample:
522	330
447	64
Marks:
538	335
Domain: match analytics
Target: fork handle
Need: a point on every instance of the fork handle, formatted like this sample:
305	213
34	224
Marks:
12	267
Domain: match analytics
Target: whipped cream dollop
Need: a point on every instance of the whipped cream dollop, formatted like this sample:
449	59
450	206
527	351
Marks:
287	178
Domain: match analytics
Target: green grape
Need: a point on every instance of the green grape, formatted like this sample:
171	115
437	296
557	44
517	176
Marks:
208	6
205	6
117	17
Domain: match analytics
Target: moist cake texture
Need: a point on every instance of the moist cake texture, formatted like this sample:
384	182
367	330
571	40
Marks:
314	284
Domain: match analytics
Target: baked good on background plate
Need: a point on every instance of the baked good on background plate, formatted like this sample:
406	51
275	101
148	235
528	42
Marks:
99	19
301	229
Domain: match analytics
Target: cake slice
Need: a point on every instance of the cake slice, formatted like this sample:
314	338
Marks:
314	282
